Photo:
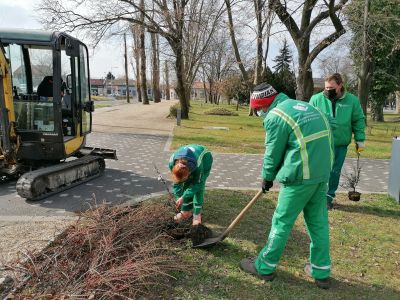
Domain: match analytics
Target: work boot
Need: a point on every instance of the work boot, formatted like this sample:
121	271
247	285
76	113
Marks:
247	265
321	283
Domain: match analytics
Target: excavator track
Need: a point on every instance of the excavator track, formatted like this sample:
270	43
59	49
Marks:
42	183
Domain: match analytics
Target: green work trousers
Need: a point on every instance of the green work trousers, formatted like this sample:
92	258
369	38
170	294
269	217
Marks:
340	155
291	201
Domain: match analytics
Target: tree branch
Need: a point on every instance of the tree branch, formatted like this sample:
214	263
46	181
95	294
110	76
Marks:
286	19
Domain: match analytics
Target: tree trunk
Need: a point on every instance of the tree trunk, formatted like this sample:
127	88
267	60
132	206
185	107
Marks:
304	80
156	68
126	70
180	83
167	87
377	111
259	59
143	78
305	85
205	91
301	37
364	78
232	35
364	84
397	102
136	51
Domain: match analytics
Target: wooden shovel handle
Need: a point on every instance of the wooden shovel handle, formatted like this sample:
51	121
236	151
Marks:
242	213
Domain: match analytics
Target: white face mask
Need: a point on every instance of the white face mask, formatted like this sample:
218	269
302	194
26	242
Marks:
261	113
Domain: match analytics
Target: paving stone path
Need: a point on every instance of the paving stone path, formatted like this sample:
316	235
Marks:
133	175
140	152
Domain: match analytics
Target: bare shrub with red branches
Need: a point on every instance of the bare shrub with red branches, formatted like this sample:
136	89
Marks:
110	252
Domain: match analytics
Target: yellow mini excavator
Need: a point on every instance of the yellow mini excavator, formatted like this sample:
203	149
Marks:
46	113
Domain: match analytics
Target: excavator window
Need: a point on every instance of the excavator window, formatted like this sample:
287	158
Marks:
31	74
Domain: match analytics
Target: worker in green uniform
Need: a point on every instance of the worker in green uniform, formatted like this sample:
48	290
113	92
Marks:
346	117
190	167
298	154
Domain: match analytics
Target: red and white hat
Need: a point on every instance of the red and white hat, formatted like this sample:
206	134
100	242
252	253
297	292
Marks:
262	96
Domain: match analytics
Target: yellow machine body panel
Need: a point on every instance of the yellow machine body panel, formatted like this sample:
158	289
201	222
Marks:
5	76
74	144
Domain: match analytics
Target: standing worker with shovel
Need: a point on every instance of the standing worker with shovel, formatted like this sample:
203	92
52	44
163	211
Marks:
299	155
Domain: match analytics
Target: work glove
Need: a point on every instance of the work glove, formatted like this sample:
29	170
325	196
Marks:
360	147
178	204
266	185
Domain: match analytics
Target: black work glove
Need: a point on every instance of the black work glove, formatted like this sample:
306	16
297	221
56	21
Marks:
266	185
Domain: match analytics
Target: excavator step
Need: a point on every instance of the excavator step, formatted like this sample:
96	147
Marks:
42	183
103	152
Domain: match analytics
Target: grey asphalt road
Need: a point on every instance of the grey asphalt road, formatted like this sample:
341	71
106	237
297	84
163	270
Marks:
133	175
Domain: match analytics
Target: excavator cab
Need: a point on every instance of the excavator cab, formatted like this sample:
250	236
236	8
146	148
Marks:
48	112
51	93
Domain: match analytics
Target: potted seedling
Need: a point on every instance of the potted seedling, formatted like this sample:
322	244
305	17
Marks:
351	180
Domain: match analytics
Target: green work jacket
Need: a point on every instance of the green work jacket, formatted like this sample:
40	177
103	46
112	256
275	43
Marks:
298	143
349	117
198	162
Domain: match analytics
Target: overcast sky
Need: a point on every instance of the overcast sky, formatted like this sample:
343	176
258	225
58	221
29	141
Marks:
106	57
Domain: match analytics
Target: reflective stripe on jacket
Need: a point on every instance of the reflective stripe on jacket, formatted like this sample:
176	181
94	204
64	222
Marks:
299	143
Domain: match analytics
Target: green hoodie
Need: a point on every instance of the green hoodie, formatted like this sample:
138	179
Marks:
199	160
349	117
298	143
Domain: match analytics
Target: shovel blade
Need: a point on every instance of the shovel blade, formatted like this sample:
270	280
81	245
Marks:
210	242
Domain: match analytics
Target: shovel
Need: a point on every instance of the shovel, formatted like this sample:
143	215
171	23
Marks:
213	240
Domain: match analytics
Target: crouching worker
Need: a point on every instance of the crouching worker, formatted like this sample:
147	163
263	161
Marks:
298	154
190	166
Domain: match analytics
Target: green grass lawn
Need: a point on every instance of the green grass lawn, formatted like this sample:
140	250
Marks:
379	136
364	249
246	135
100	98
101	105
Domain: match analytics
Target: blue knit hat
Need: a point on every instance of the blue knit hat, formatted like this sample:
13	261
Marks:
187	154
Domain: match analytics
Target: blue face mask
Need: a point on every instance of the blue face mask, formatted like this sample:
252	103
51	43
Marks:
261	113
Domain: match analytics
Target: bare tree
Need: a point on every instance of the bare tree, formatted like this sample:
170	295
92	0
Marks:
167	86
366	70
142	49
171	19
156	67
341	62
136	51
217	63
263	29
301	35
258	6
126	69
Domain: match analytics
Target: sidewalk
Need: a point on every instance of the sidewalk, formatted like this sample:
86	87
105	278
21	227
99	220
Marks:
135	118
236	171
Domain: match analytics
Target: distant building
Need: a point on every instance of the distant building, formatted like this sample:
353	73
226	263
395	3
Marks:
199	90
115	87
97	86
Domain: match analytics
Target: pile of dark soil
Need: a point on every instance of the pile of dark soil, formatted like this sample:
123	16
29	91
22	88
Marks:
109	253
